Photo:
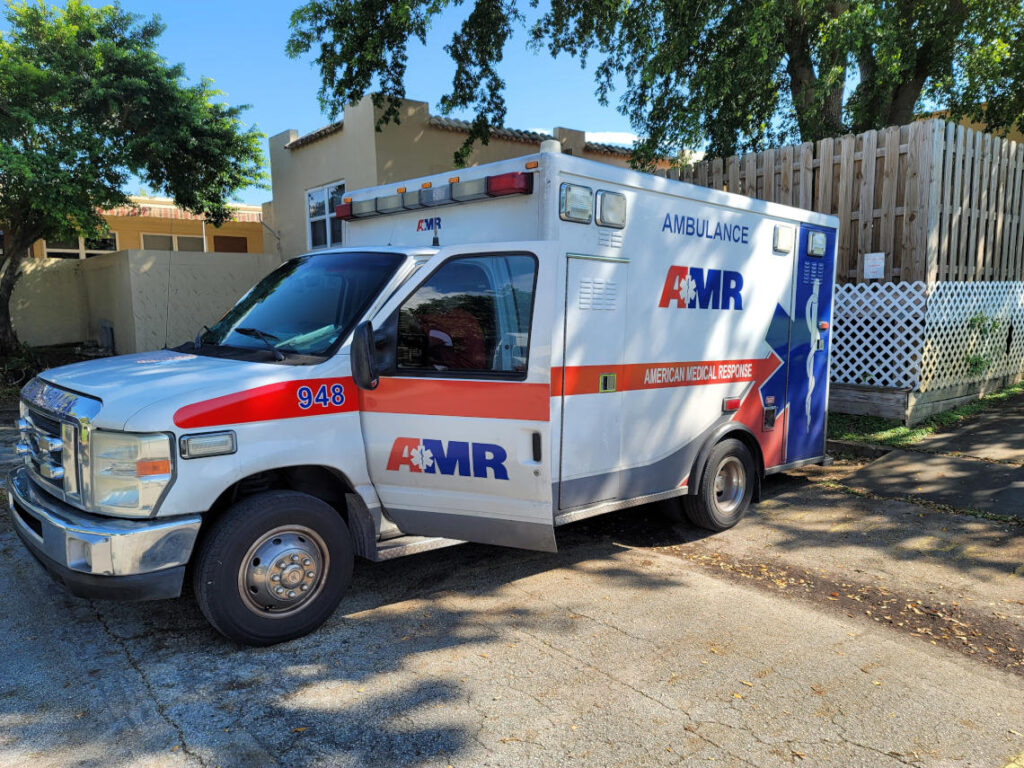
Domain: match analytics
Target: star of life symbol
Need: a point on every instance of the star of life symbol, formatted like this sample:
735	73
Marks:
688	290
422	457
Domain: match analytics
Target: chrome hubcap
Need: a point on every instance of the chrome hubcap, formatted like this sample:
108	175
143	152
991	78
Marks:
283	571
730	484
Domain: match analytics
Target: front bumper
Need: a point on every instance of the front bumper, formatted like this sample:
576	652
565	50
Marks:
101	557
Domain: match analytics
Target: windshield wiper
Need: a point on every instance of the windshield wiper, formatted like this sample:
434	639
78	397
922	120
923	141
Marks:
267	338
198	341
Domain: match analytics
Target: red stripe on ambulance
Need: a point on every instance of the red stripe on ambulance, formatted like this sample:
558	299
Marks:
585	379
317	397
453	397
283	400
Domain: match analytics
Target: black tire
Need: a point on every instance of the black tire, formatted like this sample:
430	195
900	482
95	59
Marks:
236	589
715	506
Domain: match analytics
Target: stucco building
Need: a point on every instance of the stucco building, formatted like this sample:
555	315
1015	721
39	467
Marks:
310	173
157	224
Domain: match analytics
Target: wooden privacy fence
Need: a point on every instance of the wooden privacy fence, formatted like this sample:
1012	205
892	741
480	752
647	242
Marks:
941	201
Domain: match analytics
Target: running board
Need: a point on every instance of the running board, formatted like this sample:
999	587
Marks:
410	545
582	513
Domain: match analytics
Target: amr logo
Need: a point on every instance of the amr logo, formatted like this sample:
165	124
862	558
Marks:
459	458
705	288
429	225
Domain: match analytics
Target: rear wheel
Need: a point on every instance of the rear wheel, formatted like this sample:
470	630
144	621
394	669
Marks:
273	567
726	487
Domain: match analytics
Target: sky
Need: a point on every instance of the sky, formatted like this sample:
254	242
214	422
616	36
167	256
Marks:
240	45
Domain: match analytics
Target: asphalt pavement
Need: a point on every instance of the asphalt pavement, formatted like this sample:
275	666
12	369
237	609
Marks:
641	642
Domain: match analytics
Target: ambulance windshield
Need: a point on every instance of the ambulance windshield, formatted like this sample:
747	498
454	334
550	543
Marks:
304	306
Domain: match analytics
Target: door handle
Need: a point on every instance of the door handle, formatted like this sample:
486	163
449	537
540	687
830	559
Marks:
536	446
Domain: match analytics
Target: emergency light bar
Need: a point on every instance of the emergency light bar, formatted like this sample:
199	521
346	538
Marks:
455	191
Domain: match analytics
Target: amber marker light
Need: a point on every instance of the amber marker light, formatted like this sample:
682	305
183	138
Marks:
426	185
147	467
532	164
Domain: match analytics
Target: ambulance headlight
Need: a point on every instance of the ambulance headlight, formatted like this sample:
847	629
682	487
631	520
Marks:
576	203
128	473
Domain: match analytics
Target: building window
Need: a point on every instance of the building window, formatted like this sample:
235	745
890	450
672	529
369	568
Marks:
230	244
323	228
192	243
82	247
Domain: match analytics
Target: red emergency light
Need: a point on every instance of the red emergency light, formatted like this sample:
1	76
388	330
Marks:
730	404
515	183
455	191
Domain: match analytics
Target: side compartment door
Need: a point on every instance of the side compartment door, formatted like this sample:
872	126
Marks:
807	393
595	328
454	436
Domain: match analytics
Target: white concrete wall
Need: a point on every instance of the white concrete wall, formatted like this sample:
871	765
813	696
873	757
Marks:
151	298
49	305
175	293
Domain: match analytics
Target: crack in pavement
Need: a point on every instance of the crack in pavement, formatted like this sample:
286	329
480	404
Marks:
160	708
638	691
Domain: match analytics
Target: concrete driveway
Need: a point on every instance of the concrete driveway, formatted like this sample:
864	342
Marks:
640	643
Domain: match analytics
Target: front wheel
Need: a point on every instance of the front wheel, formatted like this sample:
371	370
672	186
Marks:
726	487
273	567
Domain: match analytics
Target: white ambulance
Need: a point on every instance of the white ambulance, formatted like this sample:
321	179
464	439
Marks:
496	352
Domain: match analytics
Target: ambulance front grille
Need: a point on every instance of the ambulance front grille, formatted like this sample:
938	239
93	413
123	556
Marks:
43	448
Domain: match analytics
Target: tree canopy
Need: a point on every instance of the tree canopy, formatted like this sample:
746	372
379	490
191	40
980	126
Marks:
731	75
86	102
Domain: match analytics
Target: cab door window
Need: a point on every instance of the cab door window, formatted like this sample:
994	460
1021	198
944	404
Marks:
471	316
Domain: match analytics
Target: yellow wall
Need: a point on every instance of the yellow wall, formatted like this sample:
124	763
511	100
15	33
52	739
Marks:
360	156
130	229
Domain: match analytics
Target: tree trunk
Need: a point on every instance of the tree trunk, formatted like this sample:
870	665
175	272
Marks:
10	269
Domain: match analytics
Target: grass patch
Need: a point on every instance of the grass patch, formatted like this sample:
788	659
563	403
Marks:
873	429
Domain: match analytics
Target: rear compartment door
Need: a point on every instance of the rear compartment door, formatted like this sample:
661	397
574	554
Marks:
455	441
595	328
809	343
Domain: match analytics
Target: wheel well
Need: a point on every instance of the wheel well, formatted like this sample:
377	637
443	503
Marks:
746	437
323	483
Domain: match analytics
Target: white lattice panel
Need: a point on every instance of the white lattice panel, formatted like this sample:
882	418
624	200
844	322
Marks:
962	344
878	334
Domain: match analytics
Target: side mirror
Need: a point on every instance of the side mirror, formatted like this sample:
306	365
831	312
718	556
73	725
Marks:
364	364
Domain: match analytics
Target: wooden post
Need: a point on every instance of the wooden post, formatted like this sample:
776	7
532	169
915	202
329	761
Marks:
732	166
769	175
890	172
786	177
984	181
807	176
913	257
947	261
750	174
933	158
1003	272
974	154
958	265
866	204
823	196
846	181
1017	211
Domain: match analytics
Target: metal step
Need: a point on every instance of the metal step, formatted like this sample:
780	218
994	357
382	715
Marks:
411	545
